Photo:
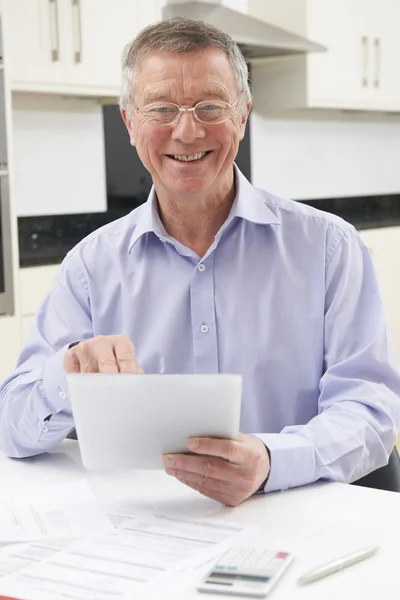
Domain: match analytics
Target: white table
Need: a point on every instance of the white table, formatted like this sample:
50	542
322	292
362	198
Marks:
316	522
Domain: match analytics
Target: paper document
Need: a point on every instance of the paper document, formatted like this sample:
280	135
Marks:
145	549
66	510
16	557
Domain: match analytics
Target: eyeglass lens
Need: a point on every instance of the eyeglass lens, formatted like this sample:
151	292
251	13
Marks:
206	112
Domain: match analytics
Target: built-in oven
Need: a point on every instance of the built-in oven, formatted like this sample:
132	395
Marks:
6	276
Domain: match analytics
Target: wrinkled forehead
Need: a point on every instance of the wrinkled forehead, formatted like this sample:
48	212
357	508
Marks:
162	75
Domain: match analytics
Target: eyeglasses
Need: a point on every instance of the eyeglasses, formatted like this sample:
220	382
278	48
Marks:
210	112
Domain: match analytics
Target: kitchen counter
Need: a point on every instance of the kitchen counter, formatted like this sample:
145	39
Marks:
364	212
45	240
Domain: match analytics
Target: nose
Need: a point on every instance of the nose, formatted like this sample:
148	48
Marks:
187	128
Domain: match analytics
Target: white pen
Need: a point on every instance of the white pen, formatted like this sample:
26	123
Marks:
337	565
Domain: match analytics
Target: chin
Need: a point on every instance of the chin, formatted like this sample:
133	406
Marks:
189	188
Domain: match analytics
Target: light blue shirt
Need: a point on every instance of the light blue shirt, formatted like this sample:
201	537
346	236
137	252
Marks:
286	296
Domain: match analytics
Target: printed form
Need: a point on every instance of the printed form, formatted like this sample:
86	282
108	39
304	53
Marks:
144	550
66	510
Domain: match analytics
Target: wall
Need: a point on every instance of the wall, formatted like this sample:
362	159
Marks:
320	155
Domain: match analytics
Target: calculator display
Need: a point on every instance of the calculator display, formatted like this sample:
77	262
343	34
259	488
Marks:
238	577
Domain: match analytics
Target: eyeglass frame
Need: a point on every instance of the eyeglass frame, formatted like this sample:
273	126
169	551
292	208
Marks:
232	107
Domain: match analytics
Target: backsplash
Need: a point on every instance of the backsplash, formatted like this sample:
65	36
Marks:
364	212
45	240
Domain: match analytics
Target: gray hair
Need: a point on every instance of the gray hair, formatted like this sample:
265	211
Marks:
180	35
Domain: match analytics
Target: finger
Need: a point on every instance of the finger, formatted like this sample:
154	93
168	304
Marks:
97	355
231	450
235	486
125	356
208	468
87	364
71	362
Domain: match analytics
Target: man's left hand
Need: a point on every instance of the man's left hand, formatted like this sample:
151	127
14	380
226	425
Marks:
228	471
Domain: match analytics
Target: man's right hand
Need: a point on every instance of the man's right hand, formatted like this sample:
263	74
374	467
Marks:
102	354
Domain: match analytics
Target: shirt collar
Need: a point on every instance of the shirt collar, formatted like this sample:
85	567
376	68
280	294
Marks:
148	220
248	204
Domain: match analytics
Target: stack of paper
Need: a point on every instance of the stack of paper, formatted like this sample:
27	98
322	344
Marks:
67	510
131	552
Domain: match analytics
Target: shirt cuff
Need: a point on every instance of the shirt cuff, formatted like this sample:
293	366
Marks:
55	382
293	460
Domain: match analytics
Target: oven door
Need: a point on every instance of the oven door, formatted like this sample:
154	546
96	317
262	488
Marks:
6	279
6	270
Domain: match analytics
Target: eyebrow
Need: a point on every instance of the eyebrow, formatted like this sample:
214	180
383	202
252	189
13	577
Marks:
214	92
155	96
163	96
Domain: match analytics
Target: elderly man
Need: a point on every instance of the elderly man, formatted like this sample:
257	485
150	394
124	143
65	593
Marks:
212	276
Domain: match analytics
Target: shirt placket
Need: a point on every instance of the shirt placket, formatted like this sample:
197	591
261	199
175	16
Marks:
202	301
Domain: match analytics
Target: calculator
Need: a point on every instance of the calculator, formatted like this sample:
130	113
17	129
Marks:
249	572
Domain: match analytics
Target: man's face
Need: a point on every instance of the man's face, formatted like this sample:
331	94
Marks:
186	79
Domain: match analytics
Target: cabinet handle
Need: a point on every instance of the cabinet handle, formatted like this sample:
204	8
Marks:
54	39
377	44
364	43
76	12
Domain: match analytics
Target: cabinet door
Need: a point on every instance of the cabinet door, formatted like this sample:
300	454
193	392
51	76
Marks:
34	284
385	27
384	245
342	76
33	38
99	31
10	347
26	324
59	155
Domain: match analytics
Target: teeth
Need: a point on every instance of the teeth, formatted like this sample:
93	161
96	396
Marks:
187	158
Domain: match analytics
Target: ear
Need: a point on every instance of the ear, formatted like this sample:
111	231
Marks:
243	119
129	125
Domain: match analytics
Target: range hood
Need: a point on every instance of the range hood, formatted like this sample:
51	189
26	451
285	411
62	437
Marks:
256	38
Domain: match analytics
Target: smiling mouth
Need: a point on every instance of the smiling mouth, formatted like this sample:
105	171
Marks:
189	157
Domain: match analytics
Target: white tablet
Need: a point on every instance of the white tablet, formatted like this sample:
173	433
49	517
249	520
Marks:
129	421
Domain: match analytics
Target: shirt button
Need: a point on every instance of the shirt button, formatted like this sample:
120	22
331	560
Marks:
204	329
201	267
62	395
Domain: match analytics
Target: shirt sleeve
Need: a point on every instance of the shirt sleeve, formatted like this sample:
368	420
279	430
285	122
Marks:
359	401
38	387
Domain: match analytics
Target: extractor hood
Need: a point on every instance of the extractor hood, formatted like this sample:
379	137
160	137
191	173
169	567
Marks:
256	38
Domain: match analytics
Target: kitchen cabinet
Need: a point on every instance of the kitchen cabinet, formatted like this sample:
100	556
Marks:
359	70
386	46
10	347
384	245
59	155
71	46
31	33
35	283
26	324
101	28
